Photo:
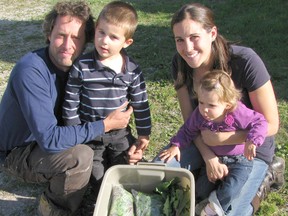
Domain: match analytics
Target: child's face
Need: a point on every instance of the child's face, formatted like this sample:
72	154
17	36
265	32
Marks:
110	39
210	107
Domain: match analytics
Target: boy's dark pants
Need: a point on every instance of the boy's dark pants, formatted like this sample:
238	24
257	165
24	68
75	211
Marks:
67	173
109	149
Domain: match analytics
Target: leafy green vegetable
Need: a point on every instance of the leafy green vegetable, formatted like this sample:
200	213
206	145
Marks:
122	202
177	198
169	199
147	204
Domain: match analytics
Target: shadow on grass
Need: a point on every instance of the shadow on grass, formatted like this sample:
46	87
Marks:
18	38
17	197
154	46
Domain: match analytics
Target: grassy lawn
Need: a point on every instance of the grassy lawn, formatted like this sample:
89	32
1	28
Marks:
261	25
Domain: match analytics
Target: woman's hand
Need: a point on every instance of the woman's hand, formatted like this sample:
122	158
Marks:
215	170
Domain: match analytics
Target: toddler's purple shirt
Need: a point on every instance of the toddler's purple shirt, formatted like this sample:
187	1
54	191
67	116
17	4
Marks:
242	118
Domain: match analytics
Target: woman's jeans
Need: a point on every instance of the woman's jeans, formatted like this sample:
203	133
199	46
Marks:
241	206
229	188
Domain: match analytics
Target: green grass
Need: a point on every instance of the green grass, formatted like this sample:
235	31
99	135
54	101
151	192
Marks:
261	25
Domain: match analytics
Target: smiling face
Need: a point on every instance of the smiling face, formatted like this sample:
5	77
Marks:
194	43
210	107
109	40
67	41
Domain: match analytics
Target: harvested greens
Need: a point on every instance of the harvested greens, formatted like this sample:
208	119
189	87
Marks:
169	198
147	204
176	198
122	202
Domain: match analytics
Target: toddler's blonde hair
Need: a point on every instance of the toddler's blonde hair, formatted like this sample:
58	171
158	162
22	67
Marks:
220	82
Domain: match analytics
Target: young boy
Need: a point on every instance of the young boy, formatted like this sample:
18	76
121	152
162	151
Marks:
101	81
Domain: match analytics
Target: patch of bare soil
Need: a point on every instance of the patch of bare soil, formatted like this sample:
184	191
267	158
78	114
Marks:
17	197
20	32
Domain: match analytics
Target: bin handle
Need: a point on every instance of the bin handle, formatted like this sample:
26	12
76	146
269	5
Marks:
151	164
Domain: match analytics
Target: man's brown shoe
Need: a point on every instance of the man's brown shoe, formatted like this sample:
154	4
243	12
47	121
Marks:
47	208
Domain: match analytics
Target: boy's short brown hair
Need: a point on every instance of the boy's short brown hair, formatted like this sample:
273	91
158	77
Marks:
121	14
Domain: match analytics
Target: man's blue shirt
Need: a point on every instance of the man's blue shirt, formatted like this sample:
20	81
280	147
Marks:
30	109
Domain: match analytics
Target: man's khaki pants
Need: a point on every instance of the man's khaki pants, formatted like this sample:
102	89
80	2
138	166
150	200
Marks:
67	173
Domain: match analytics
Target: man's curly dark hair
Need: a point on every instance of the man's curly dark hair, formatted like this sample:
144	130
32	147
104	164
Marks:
79	9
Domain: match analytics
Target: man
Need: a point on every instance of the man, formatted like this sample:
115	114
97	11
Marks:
36	145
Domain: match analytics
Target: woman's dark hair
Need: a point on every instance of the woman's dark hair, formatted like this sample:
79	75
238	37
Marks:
220	47
78	9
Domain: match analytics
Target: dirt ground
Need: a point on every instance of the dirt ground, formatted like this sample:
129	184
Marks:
19	22
21	32
16	197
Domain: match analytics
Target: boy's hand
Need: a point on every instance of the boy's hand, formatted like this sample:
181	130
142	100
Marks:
134	155
250	150
142	142
170	153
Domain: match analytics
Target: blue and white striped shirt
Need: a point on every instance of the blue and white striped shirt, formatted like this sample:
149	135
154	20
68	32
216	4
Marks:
94	90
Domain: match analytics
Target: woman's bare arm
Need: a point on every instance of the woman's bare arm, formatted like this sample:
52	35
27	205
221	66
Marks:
184	102
223	138
263	101
214	169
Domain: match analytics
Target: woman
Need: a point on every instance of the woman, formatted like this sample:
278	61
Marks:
201	48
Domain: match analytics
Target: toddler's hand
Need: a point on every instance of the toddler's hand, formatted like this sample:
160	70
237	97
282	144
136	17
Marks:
250	150
170	153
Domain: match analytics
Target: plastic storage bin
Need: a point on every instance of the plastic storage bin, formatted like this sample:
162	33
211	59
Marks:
143	177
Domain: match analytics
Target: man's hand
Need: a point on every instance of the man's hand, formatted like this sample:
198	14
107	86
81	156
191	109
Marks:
118	119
